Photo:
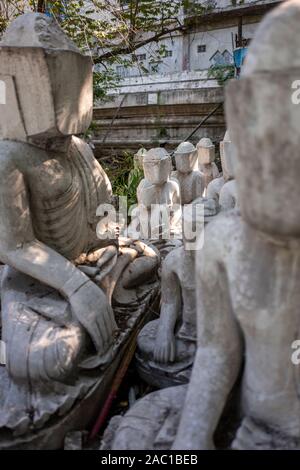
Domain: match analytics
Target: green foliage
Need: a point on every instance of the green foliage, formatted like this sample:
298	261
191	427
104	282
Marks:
104	81
134	179
111	31
124	177
221	73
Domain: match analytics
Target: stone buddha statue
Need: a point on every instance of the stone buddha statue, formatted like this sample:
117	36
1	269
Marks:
255	264
206	160
247	273
158	196
191	180
138	158
223	189
166	346
57	317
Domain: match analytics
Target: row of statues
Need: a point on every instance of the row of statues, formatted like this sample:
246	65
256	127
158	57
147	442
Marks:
166	346
196	178
70	300
245	282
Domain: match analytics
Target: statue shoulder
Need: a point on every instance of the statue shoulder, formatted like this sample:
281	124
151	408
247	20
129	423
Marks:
82	146
173	259
221	235
173	184
230	186
100	176
144	184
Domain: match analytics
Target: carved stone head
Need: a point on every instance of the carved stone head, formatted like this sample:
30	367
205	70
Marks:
48	81
185	157
227	157
157	166
139	157
206	151
263	120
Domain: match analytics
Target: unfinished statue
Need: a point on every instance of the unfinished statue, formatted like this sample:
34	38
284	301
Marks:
248	272
223	190
56	321
166	347
191	180
158	197
138	158
206	160
255	265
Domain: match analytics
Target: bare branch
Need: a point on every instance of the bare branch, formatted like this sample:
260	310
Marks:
124	50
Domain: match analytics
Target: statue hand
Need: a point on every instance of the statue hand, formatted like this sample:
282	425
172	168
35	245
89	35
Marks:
165	346
92	310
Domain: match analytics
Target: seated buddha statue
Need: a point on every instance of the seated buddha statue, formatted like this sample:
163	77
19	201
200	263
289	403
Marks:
57	287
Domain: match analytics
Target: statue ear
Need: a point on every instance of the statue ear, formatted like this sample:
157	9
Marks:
11	120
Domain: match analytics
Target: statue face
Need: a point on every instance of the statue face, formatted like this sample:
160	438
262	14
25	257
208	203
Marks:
267	140
206	155
185	162
54	89
227	159
157	171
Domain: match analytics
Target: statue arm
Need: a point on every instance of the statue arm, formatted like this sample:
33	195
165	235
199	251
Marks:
226	200
211	191
199	186
164	350
218	359
216	172
20	249
176	195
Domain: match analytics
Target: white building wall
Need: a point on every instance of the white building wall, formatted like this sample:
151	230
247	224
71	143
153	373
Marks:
215	41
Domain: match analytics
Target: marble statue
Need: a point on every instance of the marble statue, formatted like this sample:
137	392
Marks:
138	158
191	180
155	192
150	424
166	346
247	273
58	285
223	189
206	160
255	265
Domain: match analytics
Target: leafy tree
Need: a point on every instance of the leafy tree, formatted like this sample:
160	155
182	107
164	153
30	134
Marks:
112	31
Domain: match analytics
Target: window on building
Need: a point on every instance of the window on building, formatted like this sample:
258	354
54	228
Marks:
141	57
169	53
201	48
122	71
142	98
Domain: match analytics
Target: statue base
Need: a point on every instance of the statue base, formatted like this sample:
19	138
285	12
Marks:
96	383
160	375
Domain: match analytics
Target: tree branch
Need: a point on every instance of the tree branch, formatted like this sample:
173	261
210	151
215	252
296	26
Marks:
124	50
